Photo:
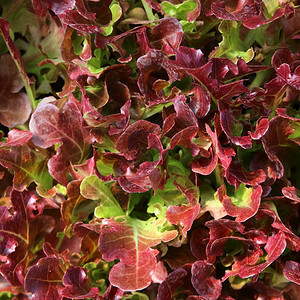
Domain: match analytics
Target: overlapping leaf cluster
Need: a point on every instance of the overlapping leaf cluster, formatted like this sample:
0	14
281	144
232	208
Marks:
150	149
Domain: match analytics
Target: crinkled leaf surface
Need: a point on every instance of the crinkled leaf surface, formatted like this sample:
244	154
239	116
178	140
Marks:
205	284
16	137
183	215
29	166
150	148
51	125
18	231
44	280
275	246
130	241
77	284
175	279
292	271
243	204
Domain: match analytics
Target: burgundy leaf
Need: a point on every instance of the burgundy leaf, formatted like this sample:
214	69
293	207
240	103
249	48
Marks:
189	58
205	165
229	90
143	178
244	204
89	243
184	115
175	279
200	102
77	284
224	154
269	209
132	183
153	61
211	74
227	123
247	257
119	85
275	246
275	141
112	292
168	124
251	252
284	72
123	122
119	120
219	229
16	137
50	125
28	165
243	11
258	236
235	174
273	94
260	19
260	289
40	7
272	169
184	138
44	280
129	241
199	240
291	193
176	258
291	271
167	36
282	56
18	231
67	51
134	140
203	74
182	215
292	290
146	168
261	128
79	172
206	285
75	20
245	69
124	276
57	6
117	40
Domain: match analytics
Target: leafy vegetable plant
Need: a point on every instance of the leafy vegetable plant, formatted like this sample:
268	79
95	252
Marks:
149	149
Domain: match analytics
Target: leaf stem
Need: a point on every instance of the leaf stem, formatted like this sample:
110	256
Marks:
25	80
218	176
30	94
22	127
148	11
5	30
61	236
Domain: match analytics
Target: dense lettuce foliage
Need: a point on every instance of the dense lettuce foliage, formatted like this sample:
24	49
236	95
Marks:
149	149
